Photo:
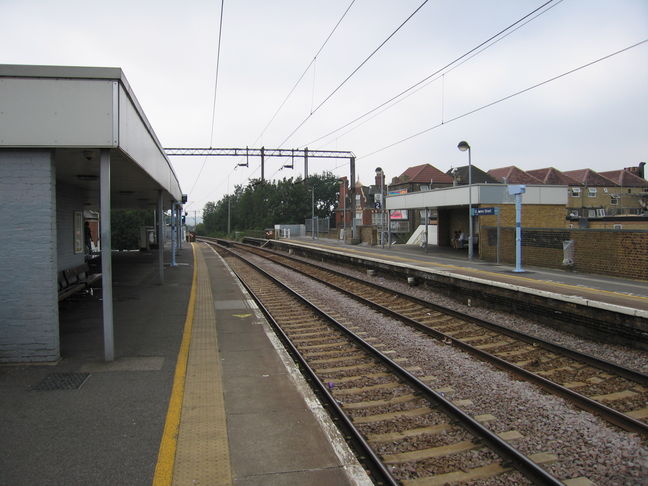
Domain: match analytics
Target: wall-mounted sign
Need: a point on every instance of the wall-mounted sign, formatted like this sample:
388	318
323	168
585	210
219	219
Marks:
484	211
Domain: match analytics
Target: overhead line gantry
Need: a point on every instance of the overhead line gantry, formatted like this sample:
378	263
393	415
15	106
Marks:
264	152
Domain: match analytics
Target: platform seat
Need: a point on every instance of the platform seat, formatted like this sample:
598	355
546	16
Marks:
75	279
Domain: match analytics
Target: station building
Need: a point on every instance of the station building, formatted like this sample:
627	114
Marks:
74	141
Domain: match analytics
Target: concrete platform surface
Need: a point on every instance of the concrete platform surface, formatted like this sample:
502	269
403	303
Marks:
111	429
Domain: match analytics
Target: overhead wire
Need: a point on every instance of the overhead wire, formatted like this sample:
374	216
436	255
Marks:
500	100
478	49
304	73
213	117
332	93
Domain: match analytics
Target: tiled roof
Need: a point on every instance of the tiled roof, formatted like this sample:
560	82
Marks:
625	178
478	176
423	174
588	177
552	176
513	175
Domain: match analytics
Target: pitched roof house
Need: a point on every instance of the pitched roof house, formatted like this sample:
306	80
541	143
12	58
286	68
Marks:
421	175
625	178
513	175
478	176
552	177
589	178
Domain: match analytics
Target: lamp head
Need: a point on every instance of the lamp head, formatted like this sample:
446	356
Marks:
463	146
378	170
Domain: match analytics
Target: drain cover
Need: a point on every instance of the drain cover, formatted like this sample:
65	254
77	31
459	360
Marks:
62	381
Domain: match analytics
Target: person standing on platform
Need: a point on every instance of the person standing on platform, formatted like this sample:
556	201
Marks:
87	232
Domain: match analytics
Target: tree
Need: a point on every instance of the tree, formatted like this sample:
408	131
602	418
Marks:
260	205
125	227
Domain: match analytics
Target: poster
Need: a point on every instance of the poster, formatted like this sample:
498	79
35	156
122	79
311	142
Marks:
78	232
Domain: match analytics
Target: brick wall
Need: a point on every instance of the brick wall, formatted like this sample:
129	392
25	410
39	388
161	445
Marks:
609	252
28	285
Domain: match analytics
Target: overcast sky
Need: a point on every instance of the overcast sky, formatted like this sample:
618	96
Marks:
594	118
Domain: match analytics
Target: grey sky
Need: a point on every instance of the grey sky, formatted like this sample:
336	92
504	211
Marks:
596	117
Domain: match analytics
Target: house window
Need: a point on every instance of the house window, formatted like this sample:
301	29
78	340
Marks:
600	213
591	191
591	213
617	226
575	191
614	201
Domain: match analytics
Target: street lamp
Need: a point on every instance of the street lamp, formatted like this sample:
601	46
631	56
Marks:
381	174
313	212
463	146
343	194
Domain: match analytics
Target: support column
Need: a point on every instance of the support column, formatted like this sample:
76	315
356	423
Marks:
352	194
160	236
106	256
427	218
174	233
180	227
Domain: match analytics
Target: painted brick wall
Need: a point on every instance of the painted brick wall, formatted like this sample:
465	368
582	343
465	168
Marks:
609	252
28	286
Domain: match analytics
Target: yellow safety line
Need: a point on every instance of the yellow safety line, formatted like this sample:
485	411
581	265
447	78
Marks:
166	456
486	272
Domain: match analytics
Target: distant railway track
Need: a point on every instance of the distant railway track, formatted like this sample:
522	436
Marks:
380	402
617	394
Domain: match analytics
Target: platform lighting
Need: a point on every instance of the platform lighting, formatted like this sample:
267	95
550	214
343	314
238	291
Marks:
463	146
379	172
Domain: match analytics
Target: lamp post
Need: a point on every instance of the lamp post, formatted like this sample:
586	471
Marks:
463	146
343	196
381	174
313	212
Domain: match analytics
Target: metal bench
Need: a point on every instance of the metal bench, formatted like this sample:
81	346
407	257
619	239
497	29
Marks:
75	279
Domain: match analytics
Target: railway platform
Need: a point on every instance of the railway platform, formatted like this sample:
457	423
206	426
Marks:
200	392
606	292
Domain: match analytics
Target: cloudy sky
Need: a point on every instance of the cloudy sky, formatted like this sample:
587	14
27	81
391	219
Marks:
596	117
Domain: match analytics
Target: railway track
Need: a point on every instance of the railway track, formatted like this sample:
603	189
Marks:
617	394
409	433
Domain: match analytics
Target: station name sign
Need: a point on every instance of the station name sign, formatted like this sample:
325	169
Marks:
484	211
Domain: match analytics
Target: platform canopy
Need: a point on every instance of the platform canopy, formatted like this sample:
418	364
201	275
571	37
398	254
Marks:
76	112
480	194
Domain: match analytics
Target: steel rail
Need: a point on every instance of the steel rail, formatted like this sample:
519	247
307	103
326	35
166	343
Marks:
602	364
519	461
611	415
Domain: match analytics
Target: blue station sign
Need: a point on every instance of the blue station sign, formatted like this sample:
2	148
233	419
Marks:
484	211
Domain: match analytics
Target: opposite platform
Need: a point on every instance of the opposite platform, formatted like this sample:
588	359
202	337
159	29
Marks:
610	293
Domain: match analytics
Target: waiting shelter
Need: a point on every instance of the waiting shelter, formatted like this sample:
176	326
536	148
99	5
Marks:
72	139
542	206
